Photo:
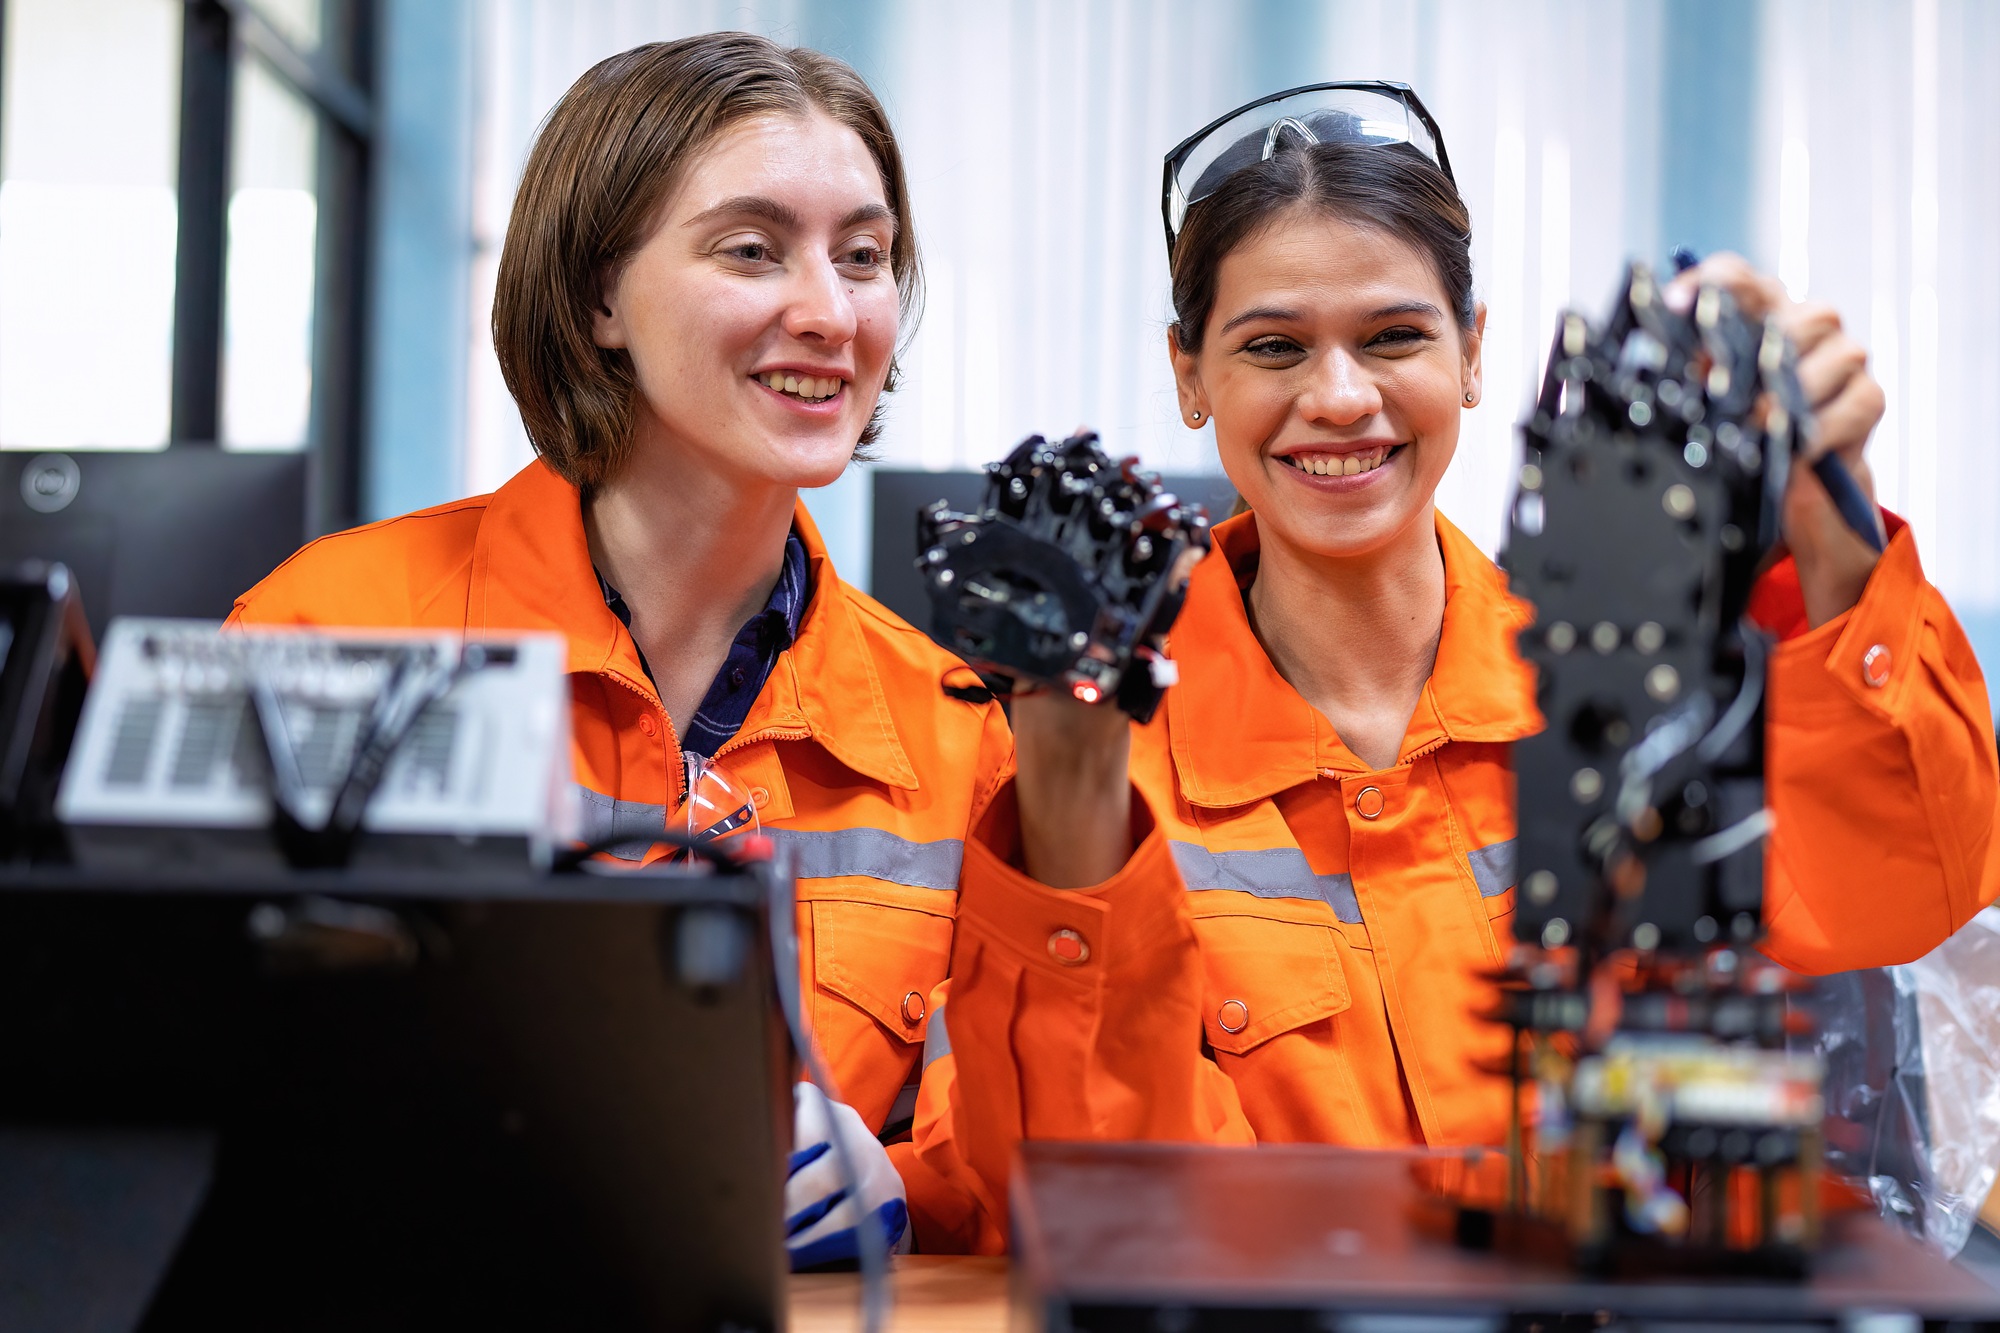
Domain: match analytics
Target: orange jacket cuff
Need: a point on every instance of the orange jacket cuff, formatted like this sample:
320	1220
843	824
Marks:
1778	603
1077	935
1869	652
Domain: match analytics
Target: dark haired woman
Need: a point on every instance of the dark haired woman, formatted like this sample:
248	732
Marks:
1294	952
698	309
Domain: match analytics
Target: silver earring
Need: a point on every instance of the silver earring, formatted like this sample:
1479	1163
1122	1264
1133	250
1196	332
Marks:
1195	417
1468	399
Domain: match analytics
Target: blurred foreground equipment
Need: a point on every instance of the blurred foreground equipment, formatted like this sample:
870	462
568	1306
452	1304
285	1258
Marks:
395	1098
1068	576
45	664
317	748
1658	1120
1293	1236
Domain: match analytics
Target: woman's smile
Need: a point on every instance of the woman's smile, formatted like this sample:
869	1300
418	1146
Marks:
1342	468
802	390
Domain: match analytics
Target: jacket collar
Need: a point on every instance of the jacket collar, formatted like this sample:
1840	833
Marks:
827	681
531	570
1239	732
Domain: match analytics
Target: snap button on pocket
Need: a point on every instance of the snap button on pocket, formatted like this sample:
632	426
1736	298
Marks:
761	797
647	725
1068	948
1368	802
1875	664
1263	977
913	1008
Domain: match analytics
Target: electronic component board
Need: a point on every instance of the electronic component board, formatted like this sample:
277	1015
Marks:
257	747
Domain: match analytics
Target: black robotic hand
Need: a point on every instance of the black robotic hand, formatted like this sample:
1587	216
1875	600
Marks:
1654	464
1068	576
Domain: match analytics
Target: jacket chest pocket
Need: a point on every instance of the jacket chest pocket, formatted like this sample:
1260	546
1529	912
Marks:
882	960
1263	977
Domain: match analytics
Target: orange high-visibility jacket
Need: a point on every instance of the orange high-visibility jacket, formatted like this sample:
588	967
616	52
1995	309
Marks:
1292	954
859	763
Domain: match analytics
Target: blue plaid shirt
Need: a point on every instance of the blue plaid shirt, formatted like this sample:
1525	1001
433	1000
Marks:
751	656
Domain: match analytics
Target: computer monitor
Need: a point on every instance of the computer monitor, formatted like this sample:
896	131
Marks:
392	1104
178	532
898	495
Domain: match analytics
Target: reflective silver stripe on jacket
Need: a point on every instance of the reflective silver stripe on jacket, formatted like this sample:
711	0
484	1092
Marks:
937	1042
608	820
1270	872
1493	868
873	852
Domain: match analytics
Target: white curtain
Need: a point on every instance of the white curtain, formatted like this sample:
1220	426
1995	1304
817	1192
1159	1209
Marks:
1881	141
1034	132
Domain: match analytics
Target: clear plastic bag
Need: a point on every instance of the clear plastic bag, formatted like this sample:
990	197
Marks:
1913	1082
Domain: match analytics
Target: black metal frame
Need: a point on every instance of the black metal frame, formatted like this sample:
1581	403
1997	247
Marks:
337	82
202	238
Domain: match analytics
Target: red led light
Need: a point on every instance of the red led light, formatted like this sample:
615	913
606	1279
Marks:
1085	691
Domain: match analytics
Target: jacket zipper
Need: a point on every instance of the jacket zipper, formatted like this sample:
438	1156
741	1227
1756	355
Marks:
1335	775
1423	750
736	742
741	740
679	781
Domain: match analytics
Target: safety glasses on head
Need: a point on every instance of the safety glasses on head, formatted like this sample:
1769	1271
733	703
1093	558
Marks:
1368	112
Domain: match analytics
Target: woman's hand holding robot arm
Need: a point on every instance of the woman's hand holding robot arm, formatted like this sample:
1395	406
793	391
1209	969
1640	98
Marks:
1834	562
1060	590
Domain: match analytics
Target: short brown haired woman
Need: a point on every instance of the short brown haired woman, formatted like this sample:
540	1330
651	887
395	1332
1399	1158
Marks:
1298	956
698	309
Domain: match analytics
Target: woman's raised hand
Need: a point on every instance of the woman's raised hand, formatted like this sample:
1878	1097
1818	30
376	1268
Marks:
1073	787
1834	563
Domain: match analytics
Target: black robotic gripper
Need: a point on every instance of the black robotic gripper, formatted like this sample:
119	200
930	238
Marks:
1068	576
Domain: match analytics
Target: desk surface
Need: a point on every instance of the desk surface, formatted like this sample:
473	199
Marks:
935	1293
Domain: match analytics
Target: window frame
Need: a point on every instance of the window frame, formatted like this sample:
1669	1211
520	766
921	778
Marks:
336	80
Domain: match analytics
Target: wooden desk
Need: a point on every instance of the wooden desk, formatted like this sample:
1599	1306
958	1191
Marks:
935	1293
